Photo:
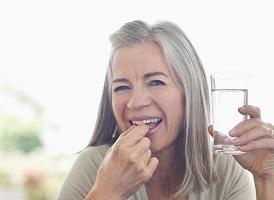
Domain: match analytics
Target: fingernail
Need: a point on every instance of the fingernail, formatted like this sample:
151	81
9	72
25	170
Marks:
232	132
242	108
235	140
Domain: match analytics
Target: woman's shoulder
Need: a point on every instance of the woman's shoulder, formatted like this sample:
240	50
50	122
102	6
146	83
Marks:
233	178
233	182
83	173
95	154
100	149
226	164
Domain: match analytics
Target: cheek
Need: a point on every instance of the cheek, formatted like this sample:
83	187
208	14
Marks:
178	109
175	111
118	106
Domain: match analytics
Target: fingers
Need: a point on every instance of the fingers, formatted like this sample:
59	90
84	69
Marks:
144	158
147	157
145	165
210	130
141	151
140	147
133	142
151	167
130	158
252	111
146	174
152	164
128	130
245	126
270	125
135	145
258	144
249	130
252	135
134	134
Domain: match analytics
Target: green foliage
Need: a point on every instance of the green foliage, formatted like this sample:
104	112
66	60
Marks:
19	133
21	123
15	134
39	174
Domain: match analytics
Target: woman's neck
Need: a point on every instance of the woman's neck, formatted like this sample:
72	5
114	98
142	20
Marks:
168	175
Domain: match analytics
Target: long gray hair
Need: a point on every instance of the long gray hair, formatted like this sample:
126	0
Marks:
188	73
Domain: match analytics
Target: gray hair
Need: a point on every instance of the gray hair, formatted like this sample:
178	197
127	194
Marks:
188	73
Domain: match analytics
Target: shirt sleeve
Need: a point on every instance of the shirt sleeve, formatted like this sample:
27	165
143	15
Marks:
83	173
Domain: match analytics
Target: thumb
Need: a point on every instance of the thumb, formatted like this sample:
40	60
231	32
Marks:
152	165
210	130
252	111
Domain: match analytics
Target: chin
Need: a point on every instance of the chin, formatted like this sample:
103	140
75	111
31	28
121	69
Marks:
157	147
160	144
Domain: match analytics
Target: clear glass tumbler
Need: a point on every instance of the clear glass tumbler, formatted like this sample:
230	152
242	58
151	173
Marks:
228	93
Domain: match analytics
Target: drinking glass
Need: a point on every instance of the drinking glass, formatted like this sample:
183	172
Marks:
228	93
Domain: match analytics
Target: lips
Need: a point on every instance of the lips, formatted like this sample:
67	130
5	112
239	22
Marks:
152	122
153	129
148	121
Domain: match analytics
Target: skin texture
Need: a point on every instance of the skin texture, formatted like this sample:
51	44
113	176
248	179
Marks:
126	167
142	88
253	137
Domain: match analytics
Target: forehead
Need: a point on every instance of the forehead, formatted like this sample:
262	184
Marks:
139	59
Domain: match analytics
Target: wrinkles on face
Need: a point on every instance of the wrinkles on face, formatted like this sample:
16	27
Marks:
143	87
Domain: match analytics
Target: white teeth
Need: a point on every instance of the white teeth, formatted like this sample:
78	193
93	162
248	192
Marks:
138	122
146	121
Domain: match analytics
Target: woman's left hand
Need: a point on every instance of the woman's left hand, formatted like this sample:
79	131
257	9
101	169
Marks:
256	138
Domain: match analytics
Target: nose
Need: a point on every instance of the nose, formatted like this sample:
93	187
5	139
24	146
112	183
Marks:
139	98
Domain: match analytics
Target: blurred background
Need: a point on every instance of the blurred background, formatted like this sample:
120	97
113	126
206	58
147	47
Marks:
53	57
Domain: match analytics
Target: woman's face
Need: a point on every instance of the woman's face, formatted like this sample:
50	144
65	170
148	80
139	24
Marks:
143	91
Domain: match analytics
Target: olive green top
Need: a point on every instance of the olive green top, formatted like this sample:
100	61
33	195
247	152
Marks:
234	183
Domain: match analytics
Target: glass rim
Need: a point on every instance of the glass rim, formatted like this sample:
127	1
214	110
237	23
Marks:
230	75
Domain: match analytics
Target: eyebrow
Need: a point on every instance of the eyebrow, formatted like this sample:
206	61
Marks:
146	76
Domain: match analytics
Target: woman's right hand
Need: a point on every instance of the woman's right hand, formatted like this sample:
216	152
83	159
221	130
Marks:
128	165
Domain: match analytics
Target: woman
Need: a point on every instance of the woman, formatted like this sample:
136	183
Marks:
151	139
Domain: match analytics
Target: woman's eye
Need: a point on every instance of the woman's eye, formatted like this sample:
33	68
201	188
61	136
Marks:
156	83
121	88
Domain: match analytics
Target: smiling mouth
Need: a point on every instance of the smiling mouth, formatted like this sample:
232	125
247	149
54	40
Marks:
152	123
